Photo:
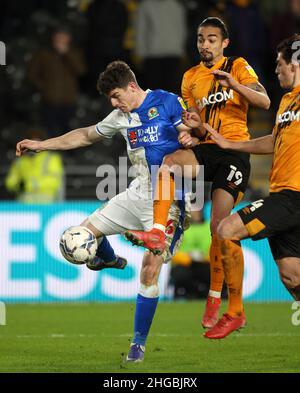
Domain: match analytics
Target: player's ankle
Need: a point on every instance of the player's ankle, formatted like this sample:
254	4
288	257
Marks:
214	294
160	227
235	313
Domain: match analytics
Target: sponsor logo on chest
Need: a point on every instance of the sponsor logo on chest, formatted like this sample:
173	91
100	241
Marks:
220	96
288	116
143	136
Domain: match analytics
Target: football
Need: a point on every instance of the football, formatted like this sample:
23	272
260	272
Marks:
78	245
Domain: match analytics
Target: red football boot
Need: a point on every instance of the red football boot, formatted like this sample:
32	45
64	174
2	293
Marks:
211	313
154	240
226	325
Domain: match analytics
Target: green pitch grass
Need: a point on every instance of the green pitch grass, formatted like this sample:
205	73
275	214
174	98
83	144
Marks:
95	338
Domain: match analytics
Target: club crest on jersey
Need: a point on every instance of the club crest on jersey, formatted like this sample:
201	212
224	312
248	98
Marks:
170	227
152	113
182	103
251	71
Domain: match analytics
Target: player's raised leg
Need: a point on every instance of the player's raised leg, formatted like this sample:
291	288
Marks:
183	161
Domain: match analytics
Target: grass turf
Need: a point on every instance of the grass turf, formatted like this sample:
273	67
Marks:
95	338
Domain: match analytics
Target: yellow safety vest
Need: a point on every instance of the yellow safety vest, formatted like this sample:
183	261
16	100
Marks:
36	178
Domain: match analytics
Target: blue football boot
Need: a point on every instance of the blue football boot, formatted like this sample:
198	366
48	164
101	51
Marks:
136	353
98	264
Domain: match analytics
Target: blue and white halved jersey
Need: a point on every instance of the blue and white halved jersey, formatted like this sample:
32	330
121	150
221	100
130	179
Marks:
150	133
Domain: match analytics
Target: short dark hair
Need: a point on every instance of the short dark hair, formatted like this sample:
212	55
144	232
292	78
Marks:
117	74
286	48
216	22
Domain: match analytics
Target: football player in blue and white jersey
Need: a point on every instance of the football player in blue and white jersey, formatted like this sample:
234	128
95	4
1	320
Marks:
150	122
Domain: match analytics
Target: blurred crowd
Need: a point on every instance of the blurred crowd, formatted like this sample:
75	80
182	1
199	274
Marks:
56	49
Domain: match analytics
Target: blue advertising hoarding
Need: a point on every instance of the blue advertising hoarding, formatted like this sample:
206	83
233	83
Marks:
33	270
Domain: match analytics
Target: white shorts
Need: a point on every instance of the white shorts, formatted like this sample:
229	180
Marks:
125	211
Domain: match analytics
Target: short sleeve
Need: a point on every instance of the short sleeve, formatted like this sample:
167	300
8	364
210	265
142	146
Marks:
244	72
108	127
186	93
174	106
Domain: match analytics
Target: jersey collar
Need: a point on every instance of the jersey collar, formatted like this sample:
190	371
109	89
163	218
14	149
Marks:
144	103
215	66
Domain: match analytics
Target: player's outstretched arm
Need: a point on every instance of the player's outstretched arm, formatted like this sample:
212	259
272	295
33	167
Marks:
263	145
254	93
80	137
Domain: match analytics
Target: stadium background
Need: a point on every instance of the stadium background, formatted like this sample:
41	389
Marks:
32	269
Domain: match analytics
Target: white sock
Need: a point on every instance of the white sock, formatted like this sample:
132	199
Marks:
214	294
160	227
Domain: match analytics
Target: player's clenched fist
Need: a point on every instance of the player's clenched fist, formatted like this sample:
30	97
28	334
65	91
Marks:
186	139
26	145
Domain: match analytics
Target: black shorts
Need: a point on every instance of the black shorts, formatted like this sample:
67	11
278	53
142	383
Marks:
276	217
226	169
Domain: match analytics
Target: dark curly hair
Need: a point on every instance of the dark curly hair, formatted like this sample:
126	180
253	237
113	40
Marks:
288	47
116	75
216	22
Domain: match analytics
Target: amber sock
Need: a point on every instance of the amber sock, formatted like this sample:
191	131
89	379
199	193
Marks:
233	264
164	196
216	268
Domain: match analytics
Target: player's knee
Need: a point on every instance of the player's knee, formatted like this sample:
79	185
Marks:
171	164
290	280
224	230
289	272
169	161
149	291
214	224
